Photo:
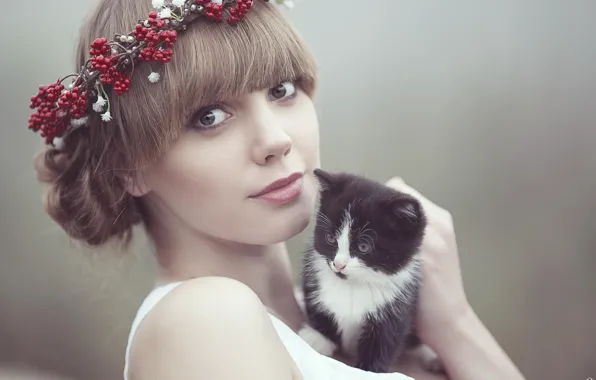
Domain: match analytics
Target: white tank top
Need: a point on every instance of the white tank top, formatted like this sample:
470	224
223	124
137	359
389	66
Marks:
311	364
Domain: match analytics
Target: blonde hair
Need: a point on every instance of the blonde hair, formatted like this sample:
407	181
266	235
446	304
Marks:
211	62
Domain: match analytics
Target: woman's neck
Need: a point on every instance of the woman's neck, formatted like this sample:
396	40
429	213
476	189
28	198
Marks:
265	269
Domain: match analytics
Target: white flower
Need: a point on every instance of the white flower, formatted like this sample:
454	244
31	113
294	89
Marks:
218	2
106	116
157	4
178	3
79	122
165	13
58	143
154	77
98	105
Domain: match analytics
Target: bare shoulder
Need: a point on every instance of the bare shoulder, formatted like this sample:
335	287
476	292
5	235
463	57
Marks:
204	299
202	326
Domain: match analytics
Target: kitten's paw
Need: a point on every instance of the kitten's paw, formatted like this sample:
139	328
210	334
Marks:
429	359
299	295
434	365
317	341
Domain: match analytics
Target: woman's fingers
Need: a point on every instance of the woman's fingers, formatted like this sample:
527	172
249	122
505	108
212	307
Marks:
435	214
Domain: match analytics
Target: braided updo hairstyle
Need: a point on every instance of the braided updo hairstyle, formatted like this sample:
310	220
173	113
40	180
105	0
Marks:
87	193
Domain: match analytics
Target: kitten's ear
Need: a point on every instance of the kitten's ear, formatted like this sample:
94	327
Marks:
406	210
326	179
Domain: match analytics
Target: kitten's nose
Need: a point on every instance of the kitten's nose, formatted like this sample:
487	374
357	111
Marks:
338	265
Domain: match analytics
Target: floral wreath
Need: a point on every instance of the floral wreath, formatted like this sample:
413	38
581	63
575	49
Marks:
61	109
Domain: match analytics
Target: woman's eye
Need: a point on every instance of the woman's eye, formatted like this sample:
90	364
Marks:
211	118
283	90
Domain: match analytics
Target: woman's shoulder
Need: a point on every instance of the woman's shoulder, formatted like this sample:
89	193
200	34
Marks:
200	293
204	318
198	304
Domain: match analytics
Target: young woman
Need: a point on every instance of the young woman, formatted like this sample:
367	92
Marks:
212	150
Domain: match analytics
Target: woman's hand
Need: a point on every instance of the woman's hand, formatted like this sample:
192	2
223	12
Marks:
442	297
446	322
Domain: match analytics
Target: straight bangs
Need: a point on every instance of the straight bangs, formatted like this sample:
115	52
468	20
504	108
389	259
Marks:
212	62
222	62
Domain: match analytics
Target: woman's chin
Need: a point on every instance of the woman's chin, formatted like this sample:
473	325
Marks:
284	231
279	228
300	226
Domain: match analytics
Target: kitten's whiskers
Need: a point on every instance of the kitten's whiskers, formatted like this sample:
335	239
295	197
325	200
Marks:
324	221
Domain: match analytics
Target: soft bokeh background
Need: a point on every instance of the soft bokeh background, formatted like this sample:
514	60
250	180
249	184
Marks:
486	107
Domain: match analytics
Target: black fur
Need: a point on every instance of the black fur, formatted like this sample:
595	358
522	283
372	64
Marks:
384	338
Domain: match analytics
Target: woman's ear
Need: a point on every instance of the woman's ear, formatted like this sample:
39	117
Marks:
135	184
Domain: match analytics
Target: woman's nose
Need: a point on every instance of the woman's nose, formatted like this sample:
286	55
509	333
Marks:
272	143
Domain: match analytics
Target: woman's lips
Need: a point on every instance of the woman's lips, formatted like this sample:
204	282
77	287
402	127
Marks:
283	190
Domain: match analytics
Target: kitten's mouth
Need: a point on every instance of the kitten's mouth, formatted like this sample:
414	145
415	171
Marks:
338	272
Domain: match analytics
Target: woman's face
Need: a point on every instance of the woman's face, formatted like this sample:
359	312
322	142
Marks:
213	179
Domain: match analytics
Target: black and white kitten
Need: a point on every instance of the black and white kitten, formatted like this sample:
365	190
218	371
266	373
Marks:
361	276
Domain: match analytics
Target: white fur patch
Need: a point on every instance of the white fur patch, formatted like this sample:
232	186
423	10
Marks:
342	256
351	300
317	341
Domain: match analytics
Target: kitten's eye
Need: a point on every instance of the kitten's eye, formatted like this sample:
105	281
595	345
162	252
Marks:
209	118
330	238
364	247
283	90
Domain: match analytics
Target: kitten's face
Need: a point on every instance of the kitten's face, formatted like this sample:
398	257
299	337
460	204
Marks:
365	229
